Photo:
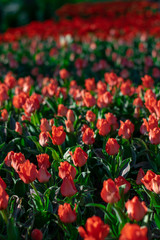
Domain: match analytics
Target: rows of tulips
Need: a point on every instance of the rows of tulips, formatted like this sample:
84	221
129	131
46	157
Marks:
79	123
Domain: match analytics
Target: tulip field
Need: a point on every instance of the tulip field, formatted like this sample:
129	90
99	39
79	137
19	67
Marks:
80	125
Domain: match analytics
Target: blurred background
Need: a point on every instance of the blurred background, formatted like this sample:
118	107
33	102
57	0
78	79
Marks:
20	12
15	13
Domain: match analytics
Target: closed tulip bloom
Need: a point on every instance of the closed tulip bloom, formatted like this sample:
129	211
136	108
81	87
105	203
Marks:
133	232
88	136
155	184
136	210
66	214
90	116
70	115
27	172
45	127
2	183
68	188
62	110
36	234
79	157
4	197
95	229
69	126
121	181
112	146
140	175
110	192
43	139
103	126
64	73
43	175
58	135
154	136
18	128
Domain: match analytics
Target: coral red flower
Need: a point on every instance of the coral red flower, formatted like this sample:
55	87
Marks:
18	128
79	157
155	184
27	172
154	136
95	229
14	159
66	169
64	73
89	100
121	181
58	135
36	234
4	115
4	197
66	214
70	115
110	192
68	188
140	175
146	180
133	232
112	146
90	84
112	120
126	129
43	160
147	81
90	116
62	110
111	78
88	136
136	210
43	175
45	127
69	126
103	126
43	139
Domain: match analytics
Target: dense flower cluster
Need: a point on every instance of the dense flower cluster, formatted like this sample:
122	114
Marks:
80	125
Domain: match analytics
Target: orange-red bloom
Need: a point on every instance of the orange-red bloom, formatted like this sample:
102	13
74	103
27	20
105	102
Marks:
112	146
70	115
43	175
43	160
62	110
140	175
95	229
136	210
147	81
18	128
133	232
43	139
68	188
103	126
66	214
110	192
79	157
66	169
58	135
154	136
4	197
45	127
121	181
126	129
27	172
88	136
90	116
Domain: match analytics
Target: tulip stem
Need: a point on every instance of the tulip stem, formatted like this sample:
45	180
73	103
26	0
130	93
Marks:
33	186
60	150
4	215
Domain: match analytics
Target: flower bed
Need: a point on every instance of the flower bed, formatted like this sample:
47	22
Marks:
79	125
